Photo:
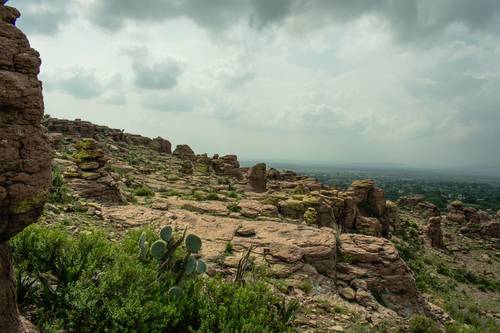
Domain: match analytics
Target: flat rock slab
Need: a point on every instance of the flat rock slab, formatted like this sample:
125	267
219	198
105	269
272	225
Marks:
286	246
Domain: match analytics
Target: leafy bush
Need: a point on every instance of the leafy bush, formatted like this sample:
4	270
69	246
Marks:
422	324
86	283
212	196
59	192
234	207
232	194
143	191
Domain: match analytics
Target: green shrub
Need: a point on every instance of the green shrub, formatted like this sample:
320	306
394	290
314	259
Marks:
59	192
232	194
229	248
234	207
87	283
422	324
143	191
212	196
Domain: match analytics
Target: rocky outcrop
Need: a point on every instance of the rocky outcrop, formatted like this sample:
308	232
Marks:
84	129
257	178
285	248
456	212
227	165
418	203
24	149
25	173
184	152
434	232
88	176
373	269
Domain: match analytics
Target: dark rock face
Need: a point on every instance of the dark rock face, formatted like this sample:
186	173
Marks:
25	169
227	165
25	156
257	179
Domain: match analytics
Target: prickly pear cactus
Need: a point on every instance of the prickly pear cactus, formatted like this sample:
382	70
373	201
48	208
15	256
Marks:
158	249
166	233
193	243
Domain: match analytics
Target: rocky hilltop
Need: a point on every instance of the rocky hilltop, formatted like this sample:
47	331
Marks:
342	242
350	259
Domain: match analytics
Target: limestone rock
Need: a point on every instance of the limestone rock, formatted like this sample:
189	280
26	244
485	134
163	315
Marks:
257	178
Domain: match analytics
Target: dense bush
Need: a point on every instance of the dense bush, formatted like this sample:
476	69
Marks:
86	283
59	192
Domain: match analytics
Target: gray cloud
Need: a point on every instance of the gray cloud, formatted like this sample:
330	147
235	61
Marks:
42	17
410	20
78	83
160	75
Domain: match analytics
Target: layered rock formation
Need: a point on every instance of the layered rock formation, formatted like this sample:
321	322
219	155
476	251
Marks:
25	172
372	270
85	129
88	175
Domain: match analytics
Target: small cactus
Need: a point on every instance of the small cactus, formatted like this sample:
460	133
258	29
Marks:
193	243
166	233
158	249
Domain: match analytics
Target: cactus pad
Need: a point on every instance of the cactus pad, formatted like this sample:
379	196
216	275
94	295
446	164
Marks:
158	249
201	267
193	243
190	265
166	233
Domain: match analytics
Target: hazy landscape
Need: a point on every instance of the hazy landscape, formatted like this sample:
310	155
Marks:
249	166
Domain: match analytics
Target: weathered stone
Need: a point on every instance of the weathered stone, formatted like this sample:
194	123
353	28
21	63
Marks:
25	168
257	180
184	152
434	232
376	261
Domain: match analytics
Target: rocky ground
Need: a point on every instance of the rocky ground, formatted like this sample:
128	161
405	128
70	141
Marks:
354	260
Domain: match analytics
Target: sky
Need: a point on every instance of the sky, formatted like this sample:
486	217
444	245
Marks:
413	82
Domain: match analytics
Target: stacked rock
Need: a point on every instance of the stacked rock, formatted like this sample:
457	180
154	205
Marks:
89	159
456	212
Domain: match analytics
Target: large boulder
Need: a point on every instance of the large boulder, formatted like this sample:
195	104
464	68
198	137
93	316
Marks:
161	145
373	265
257	179
184	152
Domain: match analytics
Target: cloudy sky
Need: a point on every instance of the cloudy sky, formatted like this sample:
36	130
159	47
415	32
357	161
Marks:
415	82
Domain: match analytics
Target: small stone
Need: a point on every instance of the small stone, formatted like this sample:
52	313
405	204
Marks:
245	231
90	175
348	293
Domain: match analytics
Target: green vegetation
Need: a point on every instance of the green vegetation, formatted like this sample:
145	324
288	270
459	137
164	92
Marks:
232	194
86	283
438	277
229	248
143	191
234	207
59	192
